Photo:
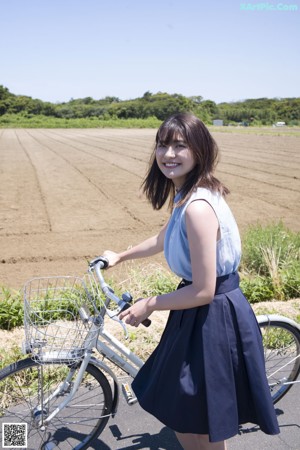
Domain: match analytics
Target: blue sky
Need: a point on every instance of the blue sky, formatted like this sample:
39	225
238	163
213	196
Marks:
223	50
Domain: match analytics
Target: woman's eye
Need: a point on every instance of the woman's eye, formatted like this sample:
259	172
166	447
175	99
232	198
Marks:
175	146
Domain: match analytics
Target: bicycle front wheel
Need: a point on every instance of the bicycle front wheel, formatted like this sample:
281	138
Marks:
29	393
281	343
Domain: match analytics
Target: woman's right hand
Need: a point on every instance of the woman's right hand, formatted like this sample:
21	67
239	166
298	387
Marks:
113	258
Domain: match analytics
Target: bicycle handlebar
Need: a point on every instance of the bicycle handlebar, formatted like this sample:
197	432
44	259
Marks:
99	264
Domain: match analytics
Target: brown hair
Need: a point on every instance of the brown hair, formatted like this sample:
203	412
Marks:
157	187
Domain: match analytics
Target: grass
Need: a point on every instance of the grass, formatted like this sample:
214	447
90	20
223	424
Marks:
39	121
270	264
147	279
290	308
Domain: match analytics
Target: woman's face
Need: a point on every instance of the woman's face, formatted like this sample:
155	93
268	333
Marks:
175	160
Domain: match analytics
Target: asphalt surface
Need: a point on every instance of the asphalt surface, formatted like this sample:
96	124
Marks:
133	429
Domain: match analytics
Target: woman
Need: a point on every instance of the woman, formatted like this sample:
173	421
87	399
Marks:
207	374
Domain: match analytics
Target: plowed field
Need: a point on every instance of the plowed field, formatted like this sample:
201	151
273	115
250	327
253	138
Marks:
66	195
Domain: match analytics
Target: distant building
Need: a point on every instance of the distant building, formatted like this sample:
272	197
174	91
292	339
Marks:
218	122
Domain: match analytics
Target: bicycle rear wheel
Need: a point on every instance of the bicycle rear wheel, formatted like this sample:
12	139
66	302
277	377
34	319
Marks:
27	393
281	343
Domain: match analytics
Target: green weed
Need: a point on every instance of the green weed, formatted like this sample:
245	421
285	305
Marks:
11	309
271	262
40	121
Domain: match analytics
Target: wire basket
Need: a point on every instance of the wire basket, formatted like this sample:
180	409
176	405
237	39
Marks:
58	318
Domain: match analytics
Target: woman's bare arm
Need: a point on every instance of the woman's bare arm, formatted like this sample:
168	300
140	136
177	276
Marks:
149	247
202	229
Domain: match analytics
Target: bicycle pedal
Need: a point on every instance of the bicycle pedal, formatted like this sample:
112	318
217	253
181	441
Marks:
128	394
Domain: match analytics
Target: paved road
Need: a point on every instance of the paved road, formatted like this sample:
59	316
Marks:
134	429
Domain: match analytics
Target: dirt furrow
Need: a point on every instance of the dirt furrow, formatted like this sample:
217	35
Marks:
67	195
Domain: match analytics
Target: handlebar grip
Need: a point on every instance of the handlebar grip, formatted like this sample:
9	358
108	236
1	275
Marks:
146	322
102	259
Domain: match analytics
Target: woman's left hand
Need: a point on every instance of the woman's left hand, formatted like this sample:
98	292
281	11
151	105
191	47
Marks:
137	313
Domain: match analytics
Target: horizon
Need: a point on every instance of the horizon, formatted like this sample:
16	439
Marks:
152	93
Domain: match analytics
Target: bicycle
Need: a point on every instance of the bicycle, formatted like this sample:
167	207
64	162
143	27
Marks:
62	392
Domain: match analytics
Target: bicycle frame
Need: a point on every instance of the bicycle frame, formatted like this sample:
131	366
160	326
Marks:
130	364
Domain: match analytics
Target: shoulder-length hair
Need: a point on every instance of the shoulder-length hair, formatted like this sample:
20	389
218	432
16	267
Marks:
157	187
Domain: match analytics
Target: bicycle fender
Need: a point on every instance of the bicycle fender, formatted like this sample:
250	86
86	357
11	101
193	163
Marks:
116	391
277	318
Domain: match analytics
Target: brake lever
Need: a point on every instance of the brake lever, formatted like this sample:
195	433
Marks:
128	299
114	315
146	322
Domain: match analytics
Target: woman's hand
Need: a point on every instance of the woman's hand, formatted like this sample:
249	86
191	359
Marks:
112	257
137	313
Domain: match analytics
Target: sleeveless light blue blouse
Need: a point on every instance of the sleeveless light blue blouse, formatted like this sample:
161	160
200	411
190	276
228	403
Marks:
176	245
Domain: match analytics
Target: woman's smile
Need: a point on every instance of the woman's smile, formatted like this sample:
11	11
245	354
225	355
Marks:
171	165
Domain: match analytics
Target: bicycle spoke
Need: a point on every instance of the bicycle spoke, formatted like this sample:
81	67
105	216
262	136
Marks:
282	356
78	423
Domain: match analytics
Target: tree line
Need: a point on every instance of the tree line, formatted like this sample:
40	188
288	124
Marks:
261	111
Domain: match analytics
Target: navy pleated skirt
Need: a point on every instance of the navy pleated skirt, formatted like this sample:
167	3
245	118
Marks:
207	374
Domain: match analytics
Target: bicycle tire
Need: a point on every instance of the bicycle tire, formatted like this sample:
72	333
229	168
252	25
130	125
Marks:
281	343
81	421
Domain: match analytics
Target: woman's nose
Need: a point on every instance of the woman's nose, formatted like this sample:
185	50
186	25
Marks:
170	151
